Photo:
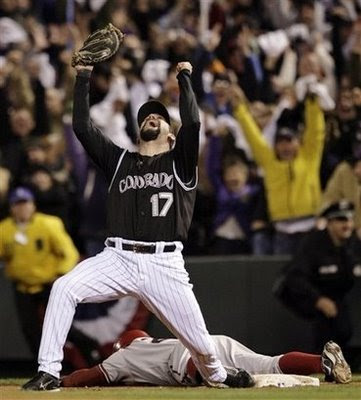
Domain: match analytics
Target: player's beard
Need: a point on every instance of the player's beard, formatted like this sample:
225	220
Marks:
150	132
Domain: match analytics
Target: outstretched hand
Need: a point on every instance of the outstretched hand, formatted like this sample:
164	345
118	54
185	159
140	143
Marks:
236	95
327	306
184	65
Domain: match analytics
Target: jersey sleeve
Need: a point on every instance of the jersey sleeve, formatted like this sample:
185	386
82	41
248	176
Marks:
187	142
102	151
314	135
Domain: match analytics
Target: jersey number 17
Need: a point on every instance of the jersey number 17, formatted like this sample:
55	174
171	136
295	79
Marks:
160	209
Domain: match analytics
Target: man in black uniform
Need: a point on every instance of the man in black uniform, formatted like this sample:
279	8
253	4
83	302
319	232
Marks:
150	204
322	272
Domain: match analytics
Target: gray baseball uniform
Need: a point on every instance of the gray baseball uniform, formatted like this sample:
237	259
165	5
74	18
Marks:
164	362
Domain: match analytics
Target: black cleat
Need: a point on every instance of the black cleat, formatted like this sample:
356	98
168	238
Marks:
43	381
240	378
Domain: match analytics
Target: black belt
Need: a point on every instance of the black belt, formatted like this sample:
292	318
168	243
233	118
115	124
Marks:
143	248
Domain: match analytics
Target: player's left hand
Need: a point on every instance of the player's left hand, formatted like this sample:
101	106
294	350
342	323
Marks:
80	67
184	65
98	47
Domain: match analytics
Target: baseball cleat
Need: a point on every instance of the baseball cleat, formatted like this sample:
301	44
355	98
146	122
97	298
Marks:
43	381
334	364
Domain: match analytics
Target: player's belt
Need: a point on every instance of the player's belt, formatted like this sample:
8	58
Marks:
143	248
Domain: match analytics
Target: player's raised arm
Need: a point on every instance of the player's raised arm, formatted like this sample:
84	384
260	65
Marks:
102	151
188	106
187	143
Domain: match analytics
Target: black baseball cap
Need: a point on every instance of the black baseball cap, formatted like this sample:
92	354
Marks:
286	133
288	124
152	107
341	209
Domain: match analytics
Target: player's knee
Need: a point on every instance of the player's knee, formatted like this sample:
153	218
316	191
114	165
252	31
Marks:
60	284
62	287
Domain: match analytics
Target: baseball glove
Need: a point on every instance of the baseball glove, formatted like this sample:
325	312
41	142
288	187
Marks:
99	46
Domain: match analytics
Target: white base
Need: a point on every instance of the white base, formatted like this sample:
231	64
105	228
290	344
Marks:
284	380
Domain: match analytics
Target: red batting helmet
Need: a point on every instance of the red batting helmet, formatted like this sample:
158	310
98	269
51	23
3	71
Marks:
127	337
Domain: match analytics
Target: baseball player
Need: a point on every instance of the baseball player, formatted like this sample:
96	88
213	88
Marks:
141	359
150	203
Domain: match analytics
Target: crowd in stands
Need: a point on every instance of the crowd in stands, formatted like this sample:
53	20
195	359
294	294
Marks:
278	84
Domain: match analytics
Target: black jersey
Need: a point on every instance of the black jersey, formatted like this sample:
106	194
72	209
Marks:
150	198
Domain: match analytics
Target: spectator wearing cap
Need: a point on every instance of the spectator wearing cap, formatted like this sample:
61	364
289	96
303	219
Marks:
291	170
36	250
345	183
322	272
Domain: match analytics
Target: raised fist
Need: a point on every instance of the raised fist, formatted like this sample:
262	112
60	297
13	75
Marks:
184	65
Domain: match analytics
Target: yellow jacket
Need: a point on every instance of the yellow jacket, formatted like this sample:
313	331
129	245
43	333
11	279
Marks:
38	254
343	184
293	188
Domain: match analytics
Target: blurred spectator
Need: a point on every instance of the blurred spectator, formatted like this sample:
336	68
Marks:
345	19
322	272
56	161
235	198
50	197
262	228
112	115
5	178
54	102
218	98
21	126
291	170
36	251
345	183
35	150
345	126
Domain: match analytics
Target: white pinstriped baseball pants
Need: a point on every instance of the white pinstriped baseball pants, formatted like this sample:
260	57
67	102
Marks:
159	280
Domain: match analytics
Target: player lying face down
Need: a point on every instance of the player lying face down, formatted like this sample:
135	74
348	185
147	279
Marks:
143	360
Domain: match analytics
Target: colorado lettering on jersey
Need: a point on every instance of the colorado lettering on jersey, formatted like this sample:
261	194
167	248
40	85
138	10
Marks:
156	180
